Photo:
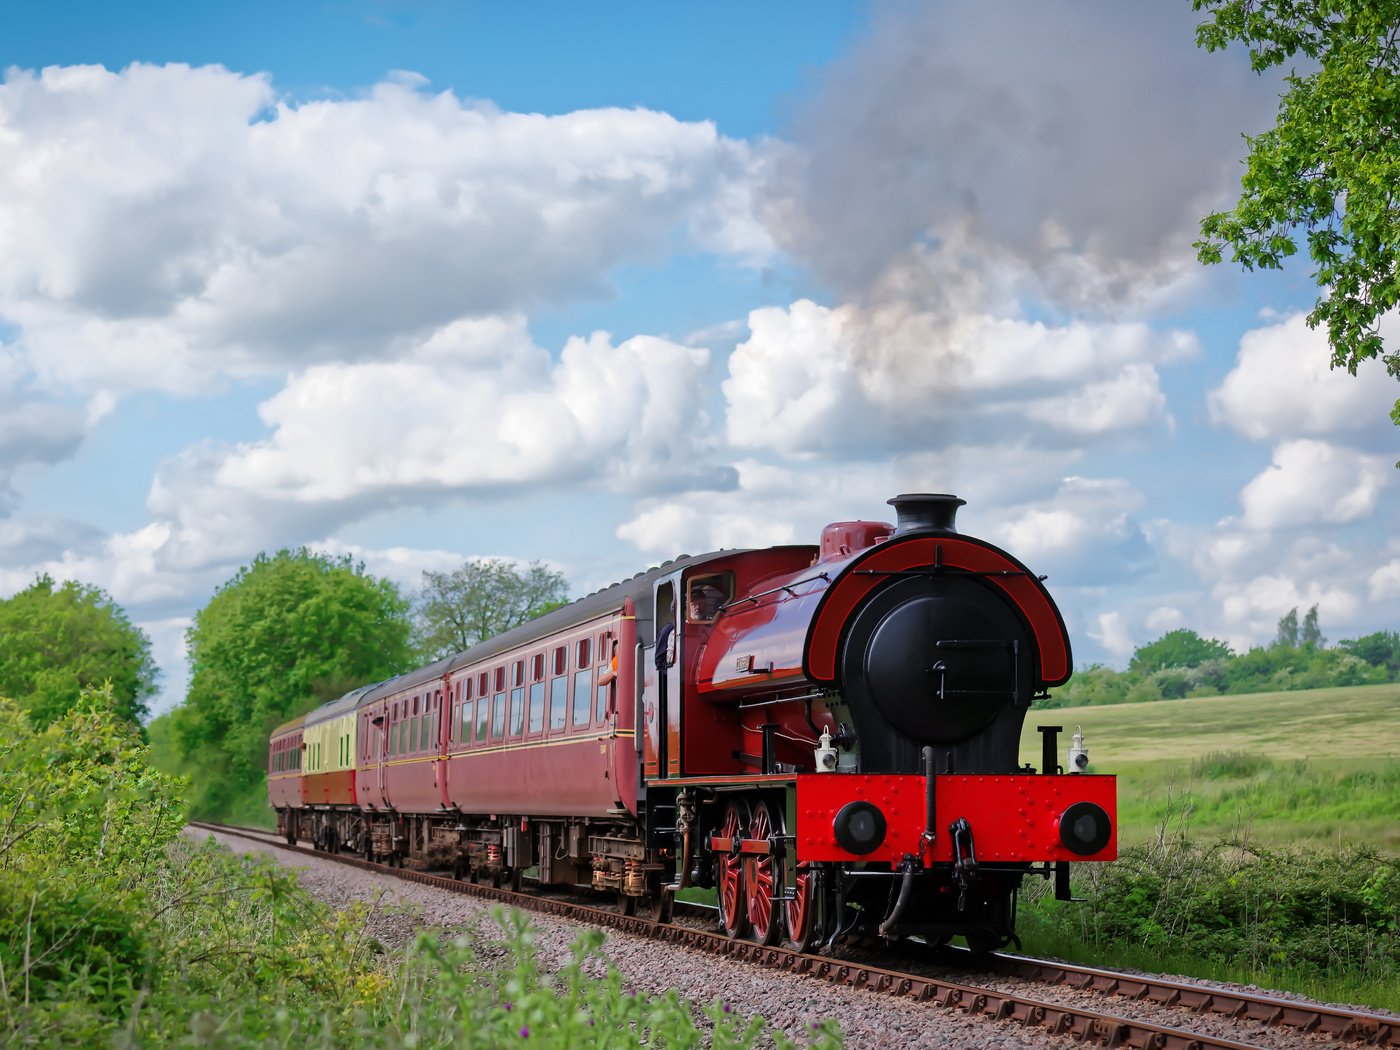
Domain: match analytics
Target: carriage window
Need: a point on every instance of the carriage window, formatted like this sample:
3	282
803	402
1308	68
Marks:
581	653
561	659
498	716
483	716
500	679
559	701
519	678
536	707
517	711
537	667
464	688
583	692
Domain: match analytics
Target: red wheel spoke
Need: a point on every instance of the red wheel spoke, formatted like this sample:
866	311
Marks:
761	881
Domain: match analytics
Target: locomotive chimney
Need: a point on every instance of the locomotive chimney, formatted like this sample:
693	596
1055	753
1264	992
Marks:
925	512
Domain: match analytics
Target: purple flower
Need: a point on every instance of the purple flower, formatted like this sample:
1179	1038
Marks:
525	1032
506	1006
725	1007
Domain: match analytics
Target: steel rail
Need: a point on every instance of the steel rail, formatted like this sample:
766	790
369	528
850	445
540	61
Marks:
1340	1023
1056	1018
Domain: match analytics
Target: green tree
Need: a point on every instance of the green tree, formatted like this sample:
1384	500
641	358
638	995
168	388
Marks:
1310	635
285	634
1380	649
1179	648
56	641
1288	629
1328	168
481	599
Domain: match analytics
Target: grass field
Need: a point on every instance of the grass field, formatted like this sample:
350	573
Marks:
1320	767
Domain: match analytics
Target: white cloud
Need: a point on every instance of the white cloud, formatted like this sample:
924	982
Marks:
402	566
1253	607
813	379
1111	633
165	226
477	408
1385	582
1281	387
1311	482
1085	535
1164	618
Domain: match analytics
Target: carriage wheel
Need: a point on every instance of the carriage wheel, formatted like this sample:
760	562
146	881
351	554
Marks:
733	907
760	881
798	912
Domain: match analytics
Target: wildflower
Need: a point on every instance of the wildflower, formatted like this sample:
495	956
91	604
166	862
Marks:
525	1032
506	1006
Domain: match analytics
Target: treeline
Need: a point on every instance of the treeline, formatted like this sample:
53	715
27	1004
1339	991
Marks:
297	629
1183	664
287	633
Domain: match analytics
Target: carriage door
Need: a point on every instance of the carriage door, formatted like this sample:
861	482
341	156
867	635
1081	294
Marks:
382	731
662	691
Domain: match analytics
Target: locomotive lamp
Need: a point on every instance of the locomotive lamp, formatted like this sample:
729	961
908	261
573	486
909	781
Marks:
1078	753
826	754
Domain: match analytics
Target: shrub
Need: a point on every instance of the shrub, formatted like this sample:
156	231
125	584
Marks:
1308	913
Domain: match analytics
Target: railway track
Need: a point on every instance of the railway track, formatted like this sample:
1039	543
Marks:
1192	1002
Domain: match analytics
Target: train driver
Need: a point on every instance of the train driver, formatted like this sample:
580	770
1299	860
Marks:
704	601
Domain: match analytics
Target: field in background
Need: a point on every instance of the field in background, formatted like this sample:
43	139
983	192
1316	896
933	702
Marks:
1320	767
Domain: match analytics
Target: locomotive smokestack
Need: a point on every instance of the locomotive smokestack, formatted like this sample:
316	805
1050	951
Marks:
925	512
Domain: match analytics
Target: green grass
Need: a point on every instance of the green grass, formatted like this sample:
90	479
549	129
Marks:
1314	768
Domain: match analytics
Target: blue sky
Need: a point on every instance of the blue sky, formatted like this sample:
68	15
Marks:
598	284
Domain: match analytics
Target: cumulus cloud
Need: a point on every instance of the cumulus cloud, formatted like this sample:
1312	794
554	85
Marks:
800	384
402	566
34	429
1112	633
1281	387
1085	535
1312	482
166	225
475	409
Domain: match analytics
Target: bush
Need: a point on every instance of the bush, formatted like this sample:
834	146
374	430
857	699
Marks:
114	931
1279	914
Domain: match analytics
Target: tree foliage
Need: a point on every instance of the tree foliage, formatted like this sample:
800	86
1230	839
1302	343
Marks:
1181	663
1179	648
481	599
285	634
1329	166
56	641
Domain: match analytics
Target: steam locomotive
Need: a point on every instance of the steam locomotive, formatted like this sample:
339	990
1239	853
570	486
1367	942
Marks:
829	736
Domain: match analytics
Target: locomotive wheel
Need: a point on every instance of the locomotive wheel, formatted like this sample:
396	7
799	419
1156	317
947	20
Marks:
798	913
733	903
760	880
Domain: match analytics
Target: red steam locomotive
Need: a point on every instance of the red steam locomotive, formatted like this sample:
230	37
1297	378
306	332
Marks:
828	735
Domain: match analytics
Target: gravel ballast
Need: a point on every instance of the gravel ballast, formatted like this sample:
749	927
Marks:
789	1003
